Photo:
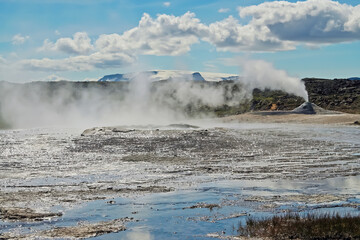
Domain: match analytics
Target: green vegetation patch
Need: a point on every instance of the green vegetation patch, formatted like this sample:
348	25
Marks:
264	100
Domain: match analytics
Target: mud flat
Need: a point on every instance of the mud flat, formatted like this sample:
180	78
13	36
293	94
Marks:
204	177
25	214
81	231
329	119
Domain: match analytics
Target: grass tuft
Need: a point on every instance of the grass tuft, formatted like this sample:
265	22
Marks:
310	226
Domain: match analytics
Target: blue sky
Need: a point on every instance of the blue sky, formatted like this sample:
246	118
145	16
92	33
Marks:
86	39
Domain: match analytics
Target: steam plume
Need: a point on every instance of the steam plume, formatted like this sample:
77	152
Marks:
138	102
261	74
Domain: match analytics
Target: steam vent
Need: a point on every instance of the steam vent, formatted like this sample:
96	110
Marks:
305	108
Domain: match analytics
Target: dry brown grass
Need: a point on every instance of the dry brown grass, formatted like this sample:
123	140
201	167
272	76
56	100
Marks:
311	226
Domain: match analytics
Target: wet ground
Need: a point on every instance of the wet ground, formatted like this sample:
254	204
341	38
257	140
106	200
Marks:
172	182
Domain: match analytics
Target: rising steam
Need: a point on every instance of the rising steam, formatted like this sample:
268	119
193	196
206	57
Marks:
138	102
261	74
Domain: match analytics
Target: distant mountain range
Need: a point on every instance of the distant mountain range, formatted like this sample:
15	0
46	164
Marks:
170	75
160	75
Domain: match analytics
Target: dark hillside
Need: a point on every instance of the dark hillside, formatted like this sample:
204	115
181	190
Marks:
338	94
274	100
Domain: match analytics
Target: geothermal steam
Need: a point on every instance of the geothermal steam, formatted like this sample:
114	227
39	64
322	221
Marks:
261	74
138	102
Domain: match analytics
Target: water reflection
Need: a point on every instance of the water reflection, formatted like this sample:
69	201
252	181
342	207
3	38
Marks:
139	233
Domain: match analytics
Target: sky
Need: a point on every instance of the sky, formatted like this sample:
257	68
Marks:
49	40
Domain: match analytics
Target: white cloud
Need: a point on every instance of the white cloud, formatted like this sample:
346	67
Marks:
165	35
57	32
97	60
167	4
12	71
80	44
114	43
2	60
353	23
211	66
229	35
281	25
273	26
223	10
13	55
18	39
312	21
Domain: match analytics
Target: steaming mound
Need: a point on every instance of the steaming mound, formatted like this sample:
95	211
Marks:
311	108
320	110
305	108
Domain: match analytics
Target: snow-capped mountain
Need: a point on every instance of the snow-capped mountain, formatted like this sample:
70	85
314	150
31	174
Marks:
171	75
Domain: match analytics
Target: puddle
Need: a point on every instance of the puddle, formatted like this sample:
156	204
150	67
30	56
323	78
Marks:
173	215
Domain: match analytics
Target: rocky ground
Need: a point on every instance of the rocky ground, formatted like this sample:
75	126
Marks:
338	94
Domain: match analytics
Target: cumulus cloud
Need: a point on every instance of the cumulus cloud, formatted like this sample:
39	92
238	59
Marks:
18	39
79	63
353	23
167	4
165	35
112	43
272	26
80	44
223	10
282	25
312	21
2	60
230	35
